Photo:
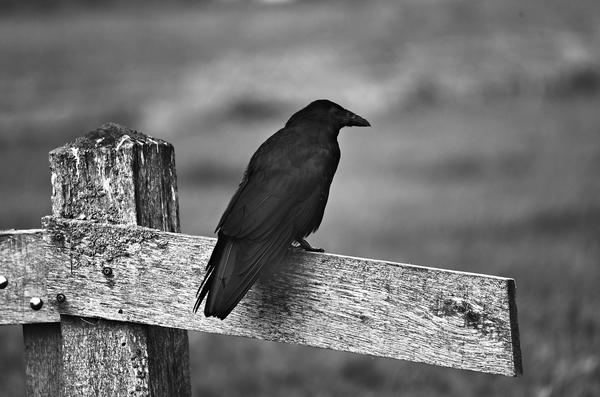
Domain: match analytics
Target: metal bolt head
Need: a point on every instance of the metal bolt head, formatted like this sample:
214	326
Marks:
3	282
61	298
107	271
36	303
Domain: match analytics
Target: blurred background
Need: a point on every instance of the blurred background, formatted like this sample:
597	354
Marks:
484	154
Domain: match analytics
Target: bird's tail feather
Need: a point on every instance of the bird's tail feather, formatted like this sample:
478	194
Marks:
257	257
232	269
220	259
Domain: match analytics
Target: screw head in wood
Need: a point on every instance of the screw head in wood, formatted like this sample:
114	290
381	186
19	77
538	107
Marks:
36	303
61	298
107	271
3	282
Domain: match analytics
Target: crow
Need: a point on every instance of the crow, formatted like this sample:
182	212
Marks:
280	200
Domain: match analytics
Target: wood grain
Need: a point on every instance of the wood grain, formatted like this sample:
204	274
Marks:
43	359
117	175
435	316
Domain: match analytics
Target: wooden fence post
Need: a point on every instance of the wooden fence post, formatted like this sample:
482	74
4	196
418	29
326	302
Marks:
117	175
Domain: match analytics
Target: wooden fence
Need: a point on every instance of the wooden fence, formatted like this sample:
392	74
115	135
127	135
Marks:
105	289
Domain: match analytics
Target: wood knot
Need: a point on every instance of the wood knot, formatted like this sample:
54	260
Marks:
472	315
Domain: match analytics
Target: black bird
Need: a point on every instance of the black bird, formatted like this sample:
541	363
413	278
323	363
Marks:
280	200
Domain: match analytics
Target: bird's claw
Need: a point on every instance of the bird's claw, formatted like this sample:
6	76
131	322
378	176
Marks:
302	243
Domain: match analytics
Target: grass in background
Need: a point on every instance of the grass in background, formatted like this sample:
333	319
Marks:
483	156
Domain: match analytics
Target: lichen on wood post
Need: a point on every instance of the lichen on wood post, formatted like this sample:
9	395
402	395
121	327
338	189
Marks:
117	175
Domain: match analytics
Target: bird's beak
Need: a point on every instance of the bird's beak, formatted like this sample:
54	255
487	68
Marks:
353	120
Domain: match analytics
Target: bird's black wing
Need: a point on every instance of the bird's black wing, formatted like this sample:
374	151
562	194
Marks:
281	192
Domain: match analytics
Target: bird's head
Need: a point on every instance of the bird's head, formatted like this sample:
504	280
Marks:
328	112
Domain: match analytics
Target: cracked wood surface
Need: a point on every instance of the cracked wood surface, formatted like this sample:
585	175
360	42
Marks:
448	318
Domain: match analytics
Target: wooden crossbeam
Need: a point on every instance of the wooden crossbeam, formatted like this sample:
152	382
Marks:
24	268
135	274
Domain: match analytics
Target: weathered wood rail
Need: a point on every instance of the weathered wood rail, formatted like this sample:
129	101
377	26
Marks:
136	287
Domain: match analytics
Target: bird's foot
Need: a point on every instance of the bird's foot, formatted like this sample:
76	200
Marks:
302	243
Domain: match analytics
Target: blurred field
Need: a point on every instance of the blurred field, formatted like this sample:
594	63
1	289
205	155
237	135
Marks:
484	156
